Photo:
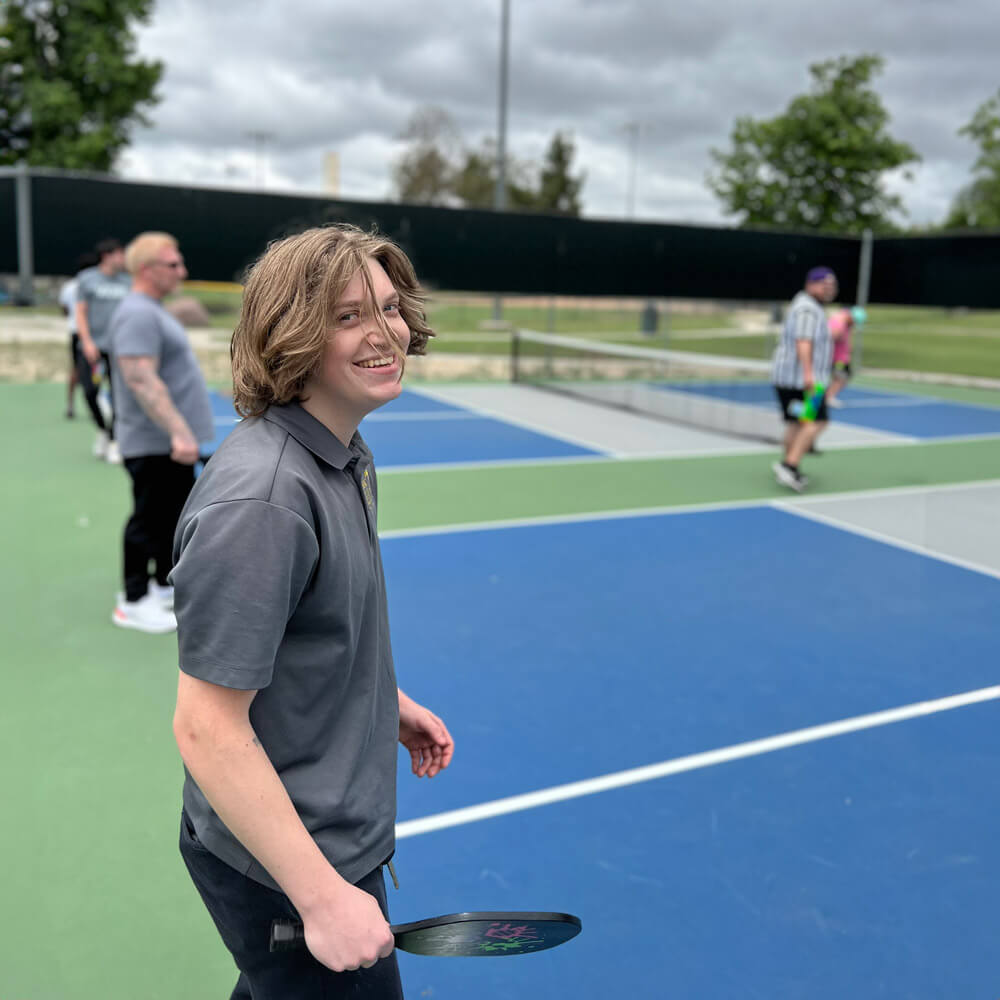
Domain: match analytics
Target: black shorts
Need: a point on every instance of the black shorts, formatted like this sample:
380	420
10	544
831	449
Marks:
787	396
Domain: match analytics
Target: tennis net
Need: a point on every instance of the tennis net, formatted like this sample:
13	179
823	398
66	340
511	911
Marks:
732	395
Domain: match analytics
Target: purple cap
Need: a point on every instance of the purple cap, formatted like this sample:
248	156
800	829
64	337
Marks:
819	273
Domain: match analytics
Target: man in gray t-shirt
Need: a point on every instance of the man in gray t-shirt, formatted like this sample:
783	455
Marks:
163	414
99	291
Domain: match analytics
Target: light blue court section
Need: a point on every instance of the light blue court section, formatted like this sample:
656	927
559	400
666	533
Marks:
915	416
417	430
859	866
864	866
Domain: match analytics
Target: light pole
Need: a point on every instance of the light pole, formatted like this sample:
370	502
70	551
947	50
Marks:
260	139
500	191
632	128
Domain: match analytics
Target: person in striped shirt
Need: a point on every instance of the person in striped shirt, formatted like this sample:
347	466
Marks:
803	361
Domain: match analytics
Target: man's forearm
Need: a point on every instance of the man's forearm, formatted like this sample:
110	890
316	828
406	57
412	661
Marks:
151	393
803	348
236	776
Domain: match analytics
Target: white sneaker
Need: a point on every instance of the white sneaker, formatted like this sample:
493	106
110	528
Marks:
101	443
835	403
112	454
789	477
165	595
146	615
104	405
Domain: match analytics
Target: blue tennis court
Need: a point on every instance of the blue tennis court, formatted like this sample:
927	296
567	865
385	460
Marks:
854	865
418	430
916	416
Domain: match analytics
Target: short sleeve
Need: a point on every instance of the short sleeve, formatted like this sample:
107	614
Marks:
136	334
84	286
804	324
241	567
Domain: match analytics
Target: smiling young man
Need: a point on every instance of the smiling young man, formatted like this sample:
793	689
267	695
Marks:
288	713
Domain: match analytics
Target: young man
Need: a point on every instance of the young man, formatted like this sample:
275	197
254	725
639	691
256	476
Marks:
163	413
287	711
99	291
803	360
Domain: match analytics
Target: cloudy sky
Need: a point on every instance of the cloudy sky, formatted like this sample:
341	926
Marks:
344	76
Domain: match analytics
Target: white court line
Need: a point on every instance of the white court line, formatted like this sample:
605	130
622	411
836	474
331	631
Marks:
514	421
694	762
878	536
493	463
693	508
424	415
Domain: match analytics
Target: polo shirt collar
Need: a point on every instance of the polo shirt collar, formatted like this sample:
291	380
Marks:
310	433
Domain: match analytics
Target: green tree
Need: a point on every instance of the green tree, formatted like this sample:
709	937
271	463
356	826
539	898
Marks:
977	206
820	164
476	179
71	85
558	189
425	173
438	169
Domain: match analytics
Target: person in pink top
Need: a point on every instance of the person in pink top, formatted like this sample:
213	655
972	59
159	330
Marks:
842	325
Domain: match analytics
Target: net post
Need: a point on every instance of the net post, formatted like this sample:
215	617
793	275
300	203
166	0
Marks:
515	355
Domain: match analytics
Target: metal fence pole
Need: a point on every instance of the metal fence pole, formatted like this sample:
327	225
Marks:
25	248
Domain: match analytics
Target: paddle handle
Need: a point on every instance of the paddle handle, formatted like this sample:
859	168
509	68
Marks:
287	935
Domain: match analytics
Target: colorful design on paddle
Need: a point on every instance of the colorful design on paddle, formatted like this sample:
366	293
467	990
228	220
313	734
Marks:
508	937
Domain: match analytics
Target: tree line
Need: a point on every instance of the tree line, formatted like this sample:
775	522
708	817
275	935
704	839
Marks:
72	88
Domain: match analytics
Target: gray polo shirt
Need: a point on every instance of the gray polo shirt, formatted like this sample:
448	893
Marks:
279	589
141	327
102	294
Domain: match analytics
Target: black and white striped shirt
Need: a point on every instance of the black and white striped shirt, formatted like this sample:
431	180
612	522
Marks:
806	320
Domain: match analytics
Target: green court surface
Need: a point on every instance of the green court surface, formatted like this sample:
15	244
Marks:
96	903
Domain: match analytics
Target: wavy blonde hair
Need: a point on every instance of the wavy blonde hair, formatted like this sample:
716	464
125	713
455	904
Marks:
289	299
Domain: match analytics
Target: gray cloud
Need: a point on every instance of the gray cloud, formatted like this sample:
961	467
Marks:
345	76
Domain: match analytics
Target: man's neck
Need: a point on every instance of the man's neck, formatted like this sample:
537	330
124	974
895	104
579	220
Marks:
144	288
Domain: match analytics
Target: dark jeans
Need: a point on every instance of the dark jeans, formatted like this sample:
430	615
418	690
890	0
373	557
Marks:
160	487
85	377
243	910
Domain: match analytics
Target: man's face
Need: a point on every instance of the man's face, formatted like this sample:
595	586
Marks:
824	290
114	262
359	371
167	271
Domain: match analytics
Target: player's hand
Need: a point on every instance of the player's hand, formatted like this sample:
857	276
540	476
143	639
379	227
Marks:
183	449
90	351
348	931
425	736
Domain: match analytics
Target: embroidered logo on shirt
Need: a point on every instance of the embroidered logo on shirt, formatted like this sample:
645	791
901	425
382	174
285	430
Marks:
366	489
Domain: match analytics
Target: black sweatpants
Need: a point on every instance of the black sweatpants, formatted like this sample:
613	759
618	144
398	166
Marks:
85	378
160	488
243	910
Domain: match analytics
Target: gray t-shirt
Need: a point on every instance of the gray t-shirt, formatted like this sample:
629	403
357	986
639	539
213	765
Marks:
102	294
141	327
279	589
806	320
